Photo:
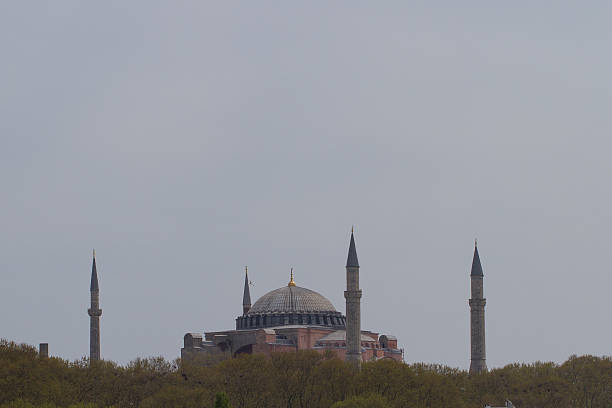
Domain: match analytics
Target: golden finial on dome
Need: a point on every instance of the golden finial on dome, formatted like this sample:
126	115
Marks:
94	254
291	282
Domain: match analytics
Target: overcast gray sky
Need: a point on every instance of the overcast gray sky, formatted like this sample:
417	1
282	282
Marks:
184	140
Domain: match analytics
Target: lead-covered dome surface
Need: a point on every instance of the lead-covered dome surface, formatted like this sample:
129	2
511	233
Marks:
292	299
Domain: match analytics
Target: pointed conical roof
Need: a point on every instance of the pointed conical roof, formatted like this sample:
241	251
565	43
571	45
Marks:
476	266
246	297
93	287
351	260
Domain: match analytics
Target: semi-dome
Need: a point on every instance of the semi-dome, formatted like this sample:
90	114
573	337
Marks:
292	299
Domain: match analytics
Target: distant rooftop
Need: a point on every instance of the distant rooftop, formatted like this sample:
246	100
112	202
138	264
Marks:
340	335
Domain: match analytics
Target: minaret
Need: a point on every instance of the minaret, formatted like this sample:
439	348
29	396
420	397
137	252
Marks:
94	312
478	362
353	312
246	297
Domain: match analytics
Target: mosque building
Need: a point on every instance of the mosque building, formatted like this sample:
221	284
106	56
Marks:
294	318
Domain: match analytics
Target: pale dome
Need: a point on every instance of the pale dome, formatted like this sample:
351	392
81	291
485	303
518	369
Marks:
292	299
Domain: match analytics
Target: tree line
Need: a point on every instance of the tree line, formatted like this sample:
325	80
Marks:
304	379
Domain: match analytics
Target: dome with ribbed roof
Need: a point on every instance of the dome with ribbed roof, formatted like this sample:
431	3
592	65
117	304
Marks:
289	306
292	299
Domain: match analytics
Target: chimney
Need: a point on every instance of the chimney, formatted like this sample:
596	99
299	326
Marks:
44	350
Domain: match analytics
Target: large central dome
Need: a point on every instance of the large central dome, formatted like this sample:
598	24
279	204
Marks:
292	299
290	305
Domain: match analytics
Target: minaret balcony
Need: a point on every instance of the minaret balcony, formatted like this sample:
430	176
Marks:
352	294
477	302
94	312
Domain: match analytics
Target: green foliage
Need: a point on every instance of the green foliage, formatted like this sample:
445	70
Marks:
305	379
369	401
360	401
221	400
24	404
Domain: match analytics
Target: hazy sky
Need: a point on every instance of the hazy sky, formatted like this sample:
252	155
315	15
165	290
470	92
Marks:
184	140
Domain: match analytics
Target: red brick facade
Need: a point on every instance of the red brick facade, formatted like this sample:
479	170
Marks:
287	338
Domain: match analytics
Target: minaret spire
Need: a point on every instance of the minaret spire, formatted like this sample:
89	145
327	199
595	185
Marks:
93	286
246	296
476	266
94	312
478	360
353	305
351	260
